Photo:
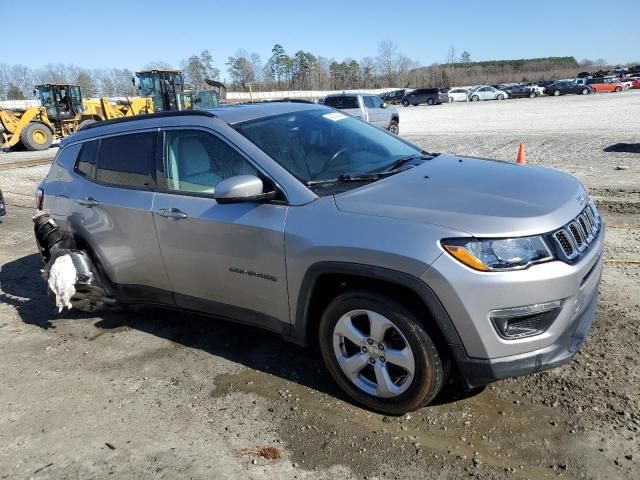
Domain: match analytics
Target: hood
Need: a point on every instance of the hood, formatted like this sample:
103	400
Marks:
485	198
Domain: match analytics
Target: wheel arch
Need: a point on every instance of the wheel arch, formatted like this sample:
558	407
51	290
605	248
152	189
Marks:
323	281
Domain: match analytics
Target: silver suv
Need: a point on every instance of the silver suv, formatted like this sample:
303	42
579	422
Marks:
404	267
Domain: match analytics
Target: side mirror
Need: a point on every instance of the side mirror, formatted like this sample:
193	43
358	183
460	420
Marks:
242	188
384	105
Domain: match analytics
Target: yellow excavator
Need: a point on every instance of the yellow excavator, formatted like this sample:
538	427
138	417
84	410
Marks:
62	111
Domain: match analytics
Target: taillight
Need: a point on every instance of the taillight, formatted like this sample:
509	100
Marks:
39	198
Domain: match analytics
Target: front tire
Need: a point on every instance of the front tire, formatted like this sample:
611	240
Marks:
405	103
475	98
379	354
36	136
430	101
532	94
86	122
394	127
585	91
556	93
618	89
500	97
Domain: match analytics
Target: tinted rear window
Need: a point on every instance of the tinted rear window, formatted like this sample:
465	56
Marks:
128	160
341	102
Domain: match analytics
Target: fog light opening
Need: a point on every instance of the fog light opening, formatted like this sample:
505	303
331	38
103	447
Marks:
526	321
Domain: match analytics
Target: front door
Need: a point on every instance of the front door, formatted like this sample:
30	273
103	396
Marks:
376	113
223	259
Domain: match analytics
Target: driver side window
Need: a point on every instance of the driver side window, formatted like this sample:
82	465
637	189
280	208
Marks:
196	161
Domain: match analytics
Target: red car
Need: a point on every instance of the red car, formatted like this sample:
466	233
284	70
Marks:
635	82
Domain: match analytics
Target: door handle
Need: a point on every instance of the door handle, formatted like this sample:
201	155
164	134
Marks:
88	202
172	213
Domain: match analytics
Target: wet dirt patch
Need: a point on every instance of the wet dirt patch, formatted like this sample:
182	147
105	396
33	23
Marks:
484	434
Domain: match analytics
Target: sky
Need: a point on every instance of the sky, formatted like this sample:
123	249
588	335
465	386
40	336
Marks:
131	34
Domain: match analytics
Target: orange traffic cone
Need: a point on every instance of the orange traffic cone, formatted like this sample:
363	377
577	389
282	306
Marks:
521	159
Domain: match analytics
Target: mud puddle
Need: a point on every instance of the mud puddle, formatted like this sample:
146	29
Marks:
482	434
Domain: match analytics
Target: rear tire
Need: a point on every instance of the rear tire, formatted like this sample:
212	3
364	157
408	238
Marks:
381	385
394	127
36	136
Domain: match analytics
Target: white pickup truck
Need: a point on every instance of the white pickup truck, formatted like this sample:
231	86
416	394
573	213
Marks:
367	107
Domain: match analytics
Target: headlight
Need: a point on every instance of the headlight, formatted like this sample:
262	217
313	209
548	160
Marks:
496	255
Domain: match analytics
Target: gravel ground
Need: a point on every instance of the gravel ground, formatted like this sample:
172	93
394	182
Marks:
157	394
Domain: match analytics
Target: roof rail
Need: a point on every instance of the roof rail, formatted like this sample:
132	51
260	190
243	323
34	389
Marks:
177	113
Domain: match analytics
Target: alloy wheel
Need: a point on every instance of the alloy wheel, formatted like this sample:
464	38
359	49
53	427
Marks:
373	353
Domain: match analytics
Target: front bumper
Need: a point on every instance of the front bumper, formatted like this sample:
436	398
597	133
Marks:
467	296
477	372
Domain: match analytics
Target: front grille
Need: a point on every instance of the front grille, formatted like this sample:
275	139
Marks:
577	236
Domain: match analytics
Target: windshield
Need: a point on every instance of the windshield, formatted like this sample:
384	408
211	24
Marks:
322	144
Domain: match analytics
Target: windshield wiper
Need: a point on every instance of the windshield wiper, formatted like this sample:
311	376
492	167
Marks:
394	168
406	159
346	178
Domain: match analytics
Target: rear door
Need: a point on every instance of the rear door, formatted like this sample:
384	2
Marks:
110	201
224	259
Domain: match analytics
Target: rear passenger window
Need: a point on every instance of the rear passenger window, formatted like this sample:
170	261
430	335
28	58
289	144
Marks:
87	158
128	160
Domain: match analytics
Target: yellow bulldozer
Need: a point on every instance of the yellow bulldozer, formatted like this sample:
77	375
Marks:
62	111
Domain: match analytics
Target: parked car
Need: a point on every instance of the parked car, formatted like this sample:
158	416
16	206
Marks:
565	86
635	82
605	84
487	92
403	267
430	96
521	90
369	108
3	208
458	95
395	97
545	83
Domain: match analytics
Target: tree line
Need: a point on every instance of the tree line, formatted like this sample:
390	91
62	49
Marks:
282	71
301	70
463	71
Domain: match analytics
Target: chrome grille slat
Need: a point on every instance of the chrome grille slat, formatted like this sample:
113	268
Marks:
576	237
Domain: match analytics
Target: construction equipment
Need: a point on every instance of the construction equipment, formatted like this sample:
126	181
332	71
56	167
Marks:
168	91
165	88
62	111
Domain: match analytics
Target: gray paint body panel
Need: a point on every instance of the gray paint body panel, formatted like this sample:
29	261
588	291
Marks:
231	254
